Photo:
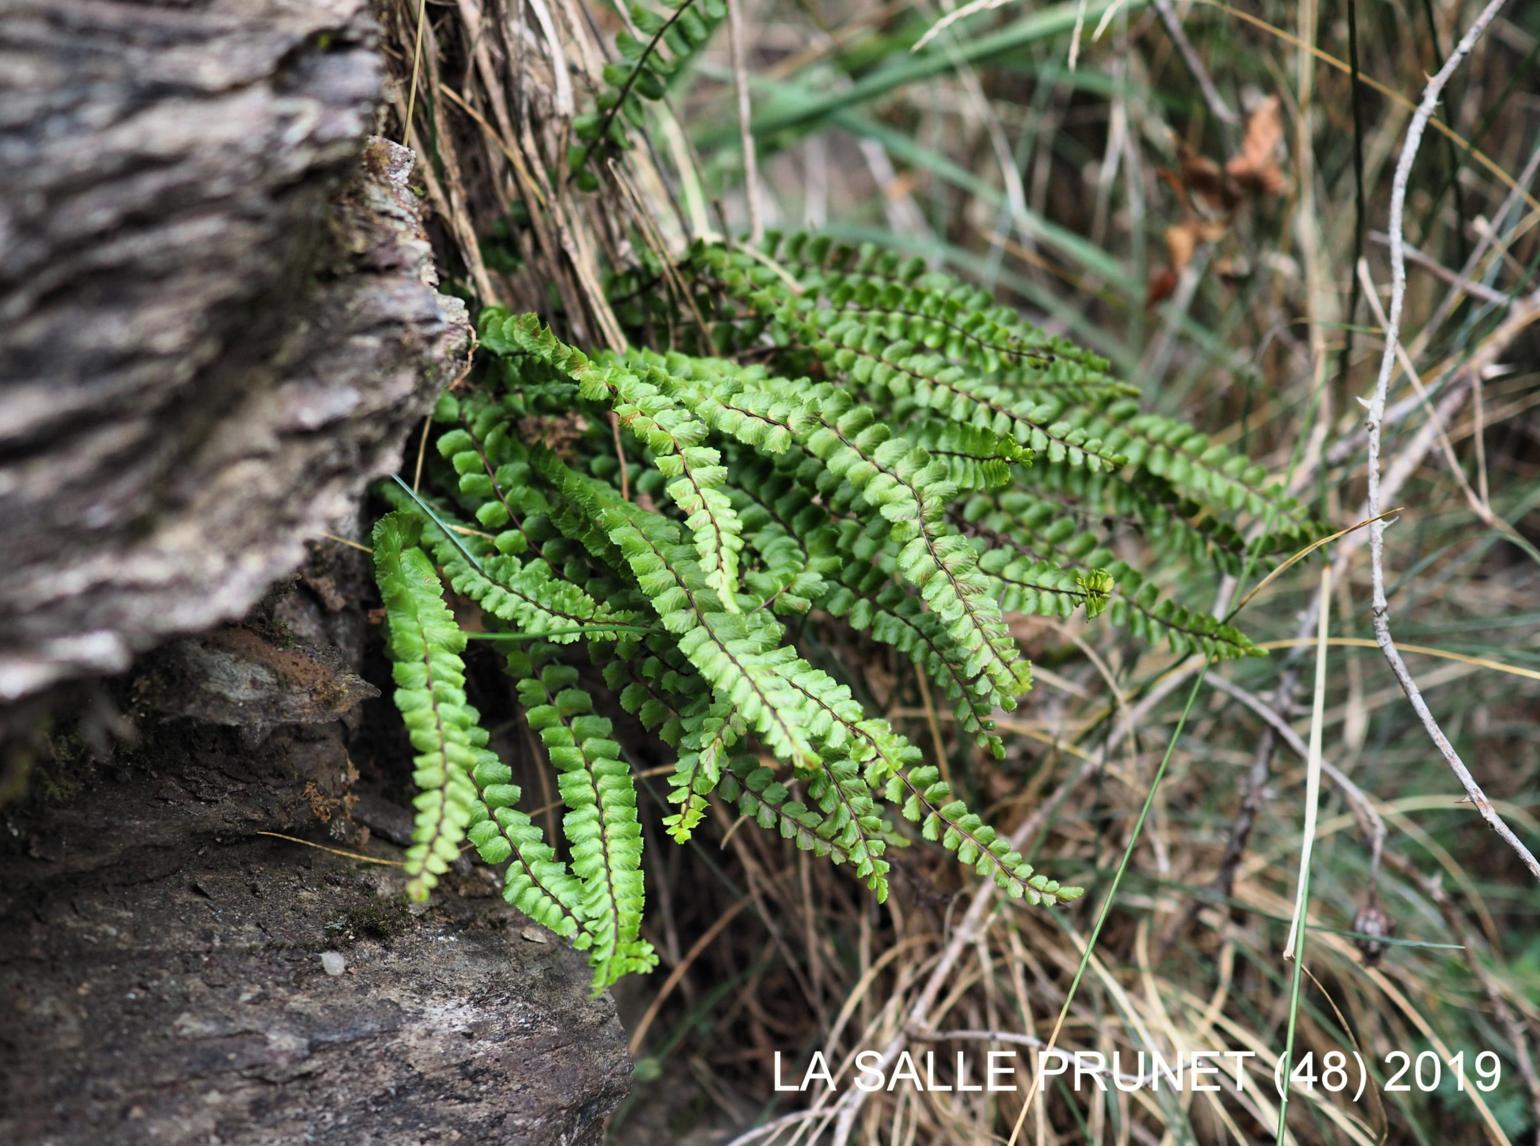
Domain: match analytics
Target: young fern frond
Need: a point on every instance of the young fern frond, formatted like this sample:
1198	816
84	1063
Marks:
699	768
425	646
673	702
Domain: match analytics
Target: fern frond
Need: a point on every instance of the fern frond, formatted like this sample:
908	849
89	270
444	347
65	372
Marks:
869	597
1179	454
835	432
535	882
490	475
601	824
928	800
425	644
853	570
1173	524
1045	588
772	805
669	700
975	458
709	735
954	392
850	572
852	822
675	32
676	704
792	570
671	432
902	482
911	491
1039	536
739	655
935	312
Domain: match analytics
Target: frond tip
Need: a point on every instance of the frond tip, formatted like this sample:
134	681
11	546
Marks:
670	35
601	825
425	646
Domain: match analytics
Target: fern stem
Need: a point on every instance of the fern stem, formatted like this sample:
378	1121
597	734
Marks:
575	630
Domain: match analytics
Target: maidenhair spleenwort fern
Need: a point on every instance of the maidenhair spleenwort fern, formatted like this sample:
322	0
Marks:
664	37
820	430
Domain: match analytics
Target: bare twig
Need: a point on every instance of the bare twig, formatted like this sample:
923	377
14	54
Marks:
1522	315
1397	235
1455	279
1222	111
1479	503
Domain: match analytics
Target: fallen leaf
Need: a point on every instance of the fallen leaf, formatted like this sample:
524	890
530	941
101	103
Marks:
1182	240
1162	285
1212	195
1181	244
1203	177
1256	166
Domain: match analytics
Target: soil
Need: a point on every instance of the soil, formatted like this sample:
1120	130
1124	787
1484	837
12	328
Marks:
169	973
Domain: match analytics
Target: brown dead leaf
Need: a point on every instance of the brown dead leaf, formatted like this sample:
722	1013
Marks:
1181	244
1201	176
1182	240
1212	196
1256	166
1162	285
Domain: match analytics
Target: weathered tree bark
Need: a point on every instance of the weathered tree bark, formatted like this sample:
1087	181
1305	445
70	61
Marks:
217	312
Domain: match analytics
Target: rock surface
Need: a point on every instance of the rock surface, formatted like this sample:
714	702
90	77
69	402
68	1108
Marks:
168	974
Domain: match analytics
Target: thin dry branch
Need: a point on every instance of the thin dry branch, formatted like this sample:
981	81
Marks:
1370	822
1222	111
1396	231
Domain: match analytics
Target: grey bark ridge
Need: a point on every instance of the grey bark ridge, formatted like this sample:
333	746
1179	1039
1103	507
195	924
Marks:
218	314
